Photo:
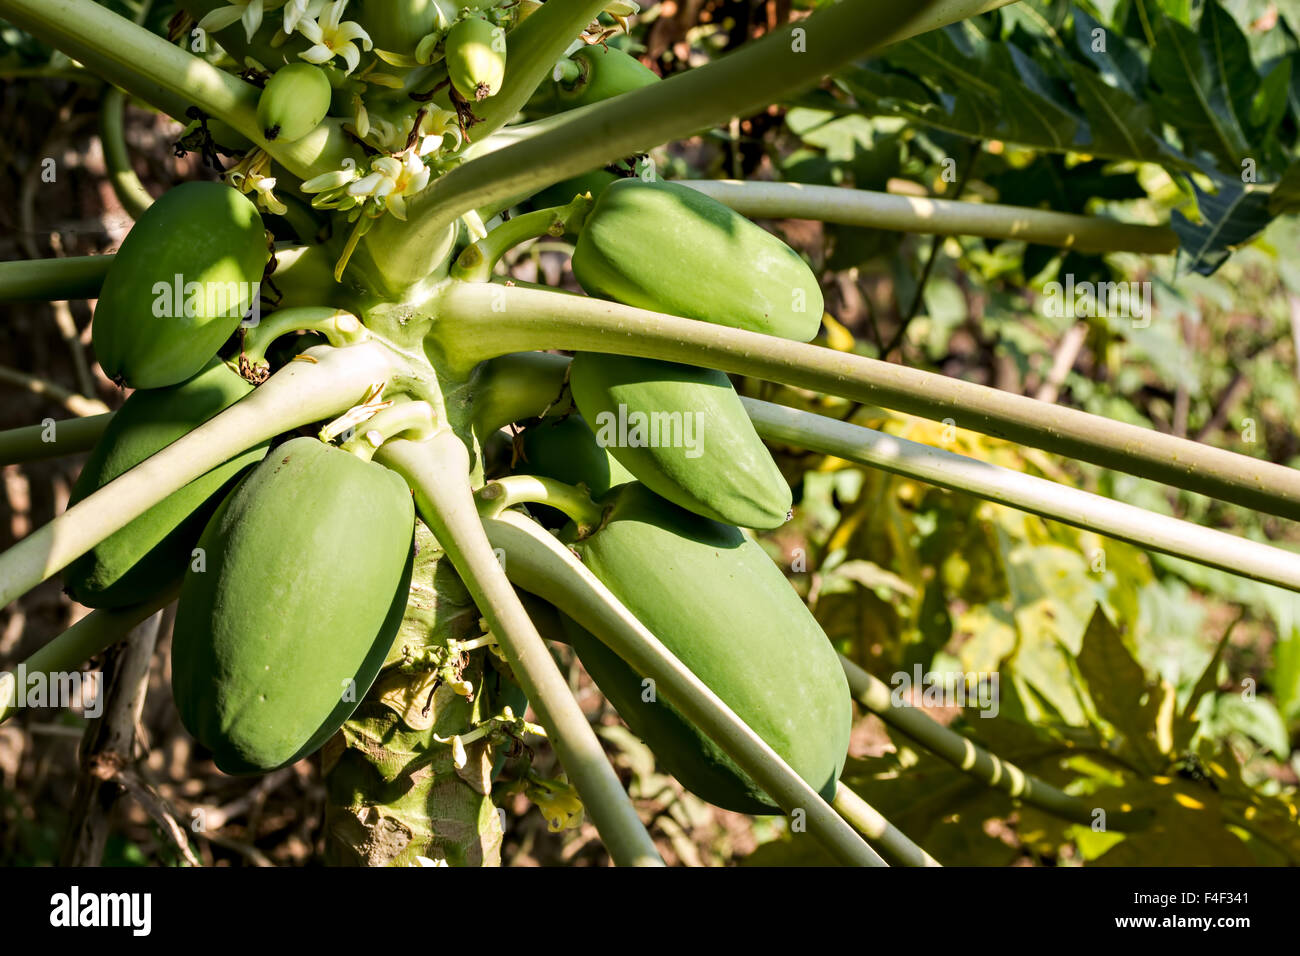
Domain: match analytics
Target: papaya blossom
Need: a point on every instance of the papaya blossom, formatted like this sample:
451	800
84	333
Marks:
391	180
295	11
248	11
333	36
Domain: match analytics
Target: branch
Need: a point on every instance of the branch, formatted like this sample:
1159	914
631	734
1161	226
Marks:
867	820
77	404
438	472
539	564
52	439
478	321
861	207
327	382
135	199
44	280
973	759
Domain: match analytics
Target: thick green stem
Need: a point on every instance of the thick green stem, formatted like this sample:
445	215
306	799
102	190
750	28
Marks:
135	199
538	563
1073	506
973	759
50	280
339	327
325	383
496	496
877	210
52	439
476	262
438	471
93	634
781	64
893	843
413	420
479	321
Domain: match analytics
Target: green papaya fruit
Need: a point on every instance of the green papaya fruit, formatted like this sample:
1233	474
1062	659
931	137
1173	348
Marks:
293	102
565	449
308	563
666	247
397	25
603	73
594	182
476	58
183	279
683	431
150	554
716	600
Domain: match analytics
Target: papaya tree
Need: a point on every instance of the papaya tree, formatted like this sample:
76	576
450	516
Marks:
376	474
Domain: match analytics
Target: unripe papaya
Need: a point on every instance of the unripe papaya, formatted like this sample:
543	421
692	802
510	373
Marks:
293	102
603	72
279	636
476	58
566	450
397	25
715	599
666	247
183	279
683	431
150	554
594	182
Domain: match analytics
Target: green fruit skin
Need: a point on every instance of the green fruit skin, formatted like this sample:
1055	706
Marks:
476	58
294	102
562	193
716	600
203	233
668	248
396	25
150	554
606	72
566	450
728	476
308	566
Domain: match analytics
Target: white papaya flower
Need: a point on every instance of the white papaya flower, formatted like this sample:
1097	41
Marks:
331	36
295	11
249	11
390	181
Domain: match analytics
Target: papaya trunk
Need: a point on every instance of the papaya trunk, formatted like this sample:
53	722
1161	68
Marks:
394	793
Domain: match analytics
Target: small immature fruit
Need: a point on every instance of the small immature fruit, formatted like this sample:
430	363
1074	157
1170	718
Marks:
183	279
682	431
476	58
603	72
717	601
669	248
151	553
282	633
293	102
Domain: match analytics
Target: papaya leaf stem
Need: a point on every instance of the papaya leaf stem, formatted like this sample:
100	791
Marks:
91	635
325	382
1040	496
339	327
892	842
45	280
476	262
785	62
478	321
972	759
415	420
53	438
542	566
878	210
496	496
438	472
135	199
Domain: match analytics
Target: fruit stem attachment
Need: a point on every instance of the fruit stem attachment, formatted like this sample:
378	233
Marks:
496	496
339	327
413	420
476	262
438	472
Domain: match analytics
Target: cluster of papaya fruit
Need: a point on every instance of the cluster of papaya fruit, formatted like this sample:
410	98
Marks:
293	559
